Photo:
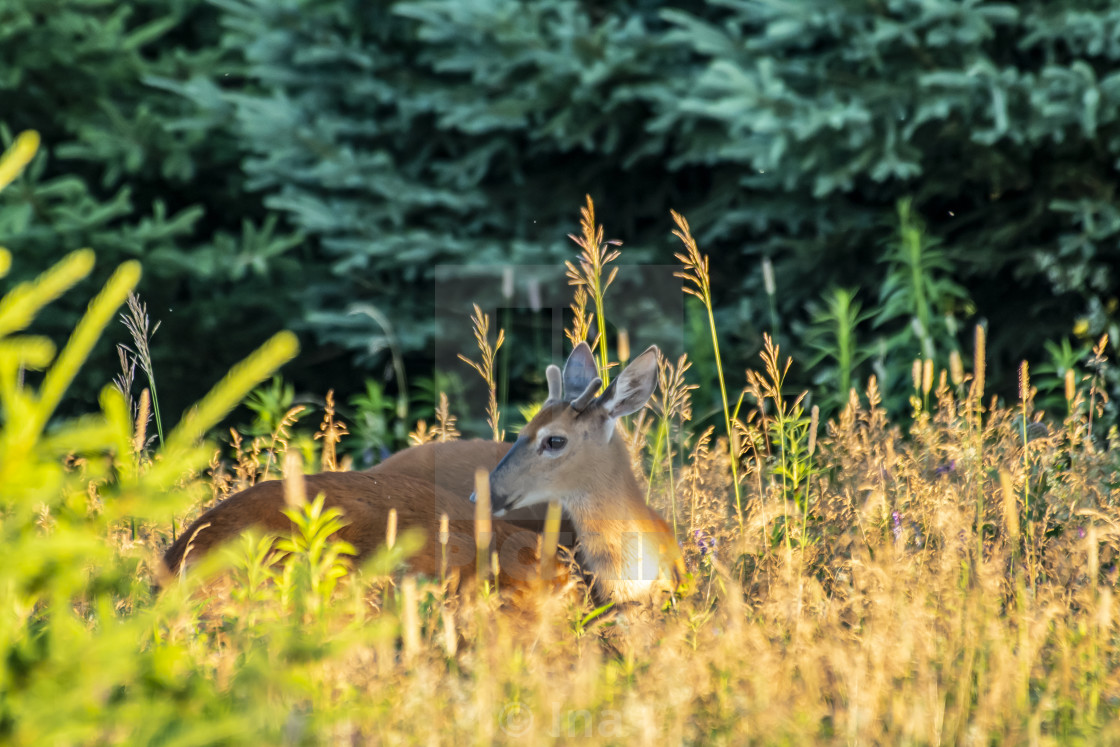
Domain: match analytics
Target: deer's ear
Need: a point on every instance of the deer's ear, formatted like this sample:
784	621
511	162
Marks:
579	371
552	375
633	387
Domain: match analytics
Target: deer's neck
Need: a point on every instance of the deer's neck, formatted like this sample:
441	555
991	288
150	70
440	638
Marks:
625	547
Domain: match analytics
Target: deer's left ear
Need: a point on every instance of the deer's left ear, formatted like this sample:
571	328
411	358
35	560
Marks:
555	388
633	387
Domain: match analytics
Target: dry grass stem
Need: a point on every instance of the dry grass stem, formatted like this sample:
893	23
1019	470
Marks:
588	273
485	367
330	433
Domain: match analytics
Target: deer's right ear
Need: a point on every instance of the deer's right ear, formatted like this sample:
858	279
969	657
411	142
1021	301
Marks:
579	371
633	387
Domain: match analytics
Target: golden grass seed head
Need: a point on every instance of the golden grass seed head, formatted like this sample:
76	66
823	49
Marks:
768	277
391	528
295	491
956	368
814	424
978	358
1010	507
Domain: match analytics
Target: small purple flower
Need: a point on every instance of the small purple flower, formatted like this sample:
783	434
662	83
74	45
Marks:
1081	532
896	526
944	469
705	542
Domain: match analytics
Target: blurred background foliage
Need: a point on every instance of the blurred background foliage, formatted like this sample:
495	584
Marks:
289	163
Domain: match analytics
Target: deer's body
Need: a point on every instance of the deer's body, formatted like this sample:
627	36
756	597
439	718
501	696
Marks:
448	465
421	483
627	551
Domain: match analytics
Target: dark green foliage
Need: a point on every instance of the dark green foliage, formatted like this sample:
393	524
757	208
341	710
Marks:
403	137
407	135
398	136
115	175
998	118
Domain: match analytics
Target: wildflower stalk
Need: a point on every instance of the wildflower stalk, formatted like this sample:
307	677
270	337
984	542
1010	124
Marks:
814	423
787	423
1024	414
674	400
696	272
927	382
1097	395
330	432
779	422
663	428
507	321
976	405
976	395
658	440
1010	517
581	320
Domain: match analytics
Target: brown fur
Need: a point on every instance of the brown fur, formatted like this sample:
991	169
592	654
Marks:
451	466
626	549
421	483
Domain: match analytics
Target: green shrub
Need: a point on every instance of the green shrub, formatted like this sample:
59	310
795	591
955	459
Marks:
84	652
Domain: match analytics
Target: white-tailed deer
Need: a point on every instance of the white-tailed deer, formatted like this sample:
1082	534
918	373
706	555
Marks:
572	454
421	483
569	453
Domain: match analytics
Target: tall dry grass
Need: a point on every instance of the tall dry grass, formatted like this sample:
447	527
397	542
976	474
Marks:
947	580
917	601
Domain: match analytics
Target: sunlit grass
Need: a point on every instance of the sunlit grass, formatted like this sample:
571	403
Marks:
948	578
888	616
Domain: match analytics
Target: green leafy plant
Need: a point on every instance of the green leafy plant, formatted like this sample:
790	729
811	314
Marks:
1050	377
918	301
833	336
374	423
315	562
791	434
270	405
75	623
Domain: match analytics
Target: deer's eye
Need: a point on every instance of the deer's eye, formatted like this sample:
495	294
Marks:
554	443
